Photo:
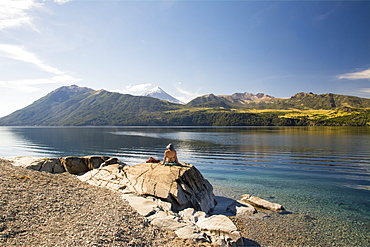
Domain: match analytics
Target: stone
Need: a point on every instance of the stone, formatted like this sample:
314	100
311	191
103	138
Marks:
94	162
192	216
175	187
159	215
143	206
182	185
221	230
25	161
110	161
191	232
74	165
36	164
168	223
53	165
111	177
79	165
217	222
261	203
241	209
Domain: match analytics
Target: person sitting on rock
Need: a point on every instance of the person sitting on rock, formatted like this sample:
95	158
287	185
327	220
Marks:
170	156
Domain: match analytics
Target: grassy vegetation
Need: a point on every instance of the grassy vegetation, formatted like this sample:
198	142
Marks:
337	116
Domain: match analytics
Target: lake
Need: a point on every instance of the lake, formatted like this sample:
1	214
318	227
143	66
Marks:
323	172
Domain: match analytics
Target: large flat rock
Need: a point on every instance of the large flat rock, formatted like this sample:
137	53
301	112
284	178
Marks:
182	185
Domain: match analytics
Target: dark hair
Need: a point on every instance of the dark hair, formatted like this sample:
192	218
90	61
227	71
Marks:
170	146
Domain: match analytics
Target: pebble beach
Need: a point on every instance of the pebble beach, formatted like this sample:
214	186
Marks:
43	209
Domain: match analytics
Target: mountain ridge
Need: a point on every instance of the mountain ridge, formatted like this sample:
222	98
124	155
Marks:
77	106
263	101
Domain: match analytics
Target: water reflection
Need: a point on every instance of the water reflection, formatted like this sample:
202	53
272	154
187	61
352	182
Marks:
291	164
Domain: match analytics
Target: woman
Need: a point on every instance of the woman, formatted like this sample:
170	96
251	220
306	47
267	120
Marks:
170	155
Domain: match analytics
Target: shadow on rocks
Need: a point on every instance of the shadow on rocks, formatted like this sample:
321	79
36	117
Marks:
249	242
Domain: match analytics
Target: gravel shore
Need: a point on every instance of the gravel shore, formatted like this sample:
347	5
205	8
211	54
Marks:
43	209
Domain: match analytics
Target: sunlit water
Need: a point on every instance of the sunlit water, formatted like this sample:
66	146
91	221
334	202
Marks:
320	171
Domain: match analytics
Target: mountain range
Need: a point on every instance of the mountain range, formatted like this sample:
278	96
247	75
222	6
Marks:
81	106
298	101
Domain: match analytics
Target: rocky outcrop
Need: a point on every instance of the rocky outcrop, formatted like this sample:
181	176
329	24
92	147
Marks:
175	198
73	165
182	185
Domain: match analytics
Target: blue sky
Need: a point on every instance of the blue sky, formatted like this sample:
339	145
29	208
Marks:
188	48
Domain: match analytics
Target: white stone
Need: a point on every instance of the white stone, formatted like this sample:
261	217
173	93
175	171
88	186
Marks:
191	215
217	222
23	161
191	232
158	214
142	205
261	203
241	209
168	223
221	230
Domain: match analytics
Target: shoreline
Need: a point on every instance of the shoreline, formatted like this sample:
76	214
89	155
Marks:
69	197
44	209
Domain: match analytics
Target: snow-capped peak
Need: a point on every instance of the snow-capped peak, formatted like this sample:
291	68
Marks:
159	93
154	90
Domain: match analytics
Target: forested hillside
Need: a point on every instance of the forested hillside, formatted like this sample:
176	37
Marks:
76	106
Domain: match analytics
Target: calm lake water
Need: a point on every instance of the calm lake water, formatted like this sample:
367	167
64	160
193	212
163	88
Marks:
319	171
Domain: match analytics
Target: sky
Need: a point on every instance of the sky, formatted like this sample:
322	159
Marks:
187	47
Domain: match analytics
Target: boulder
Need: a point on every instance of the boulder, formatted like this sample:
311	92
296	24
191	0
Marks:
79	165
192	216
143	206
52	165
258	202
168	223
221	229
191	232
241	209
182	185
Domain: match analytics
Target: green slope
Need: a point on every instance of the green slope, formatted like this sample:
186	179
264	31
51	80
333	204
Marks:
85	108
76	106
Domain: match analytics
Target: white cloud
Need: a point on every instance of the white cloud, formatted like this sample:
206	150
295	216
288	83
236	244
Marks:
14	13
364	74
28	85
365	90
186	96
134	89
62	1
20	53
324	16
